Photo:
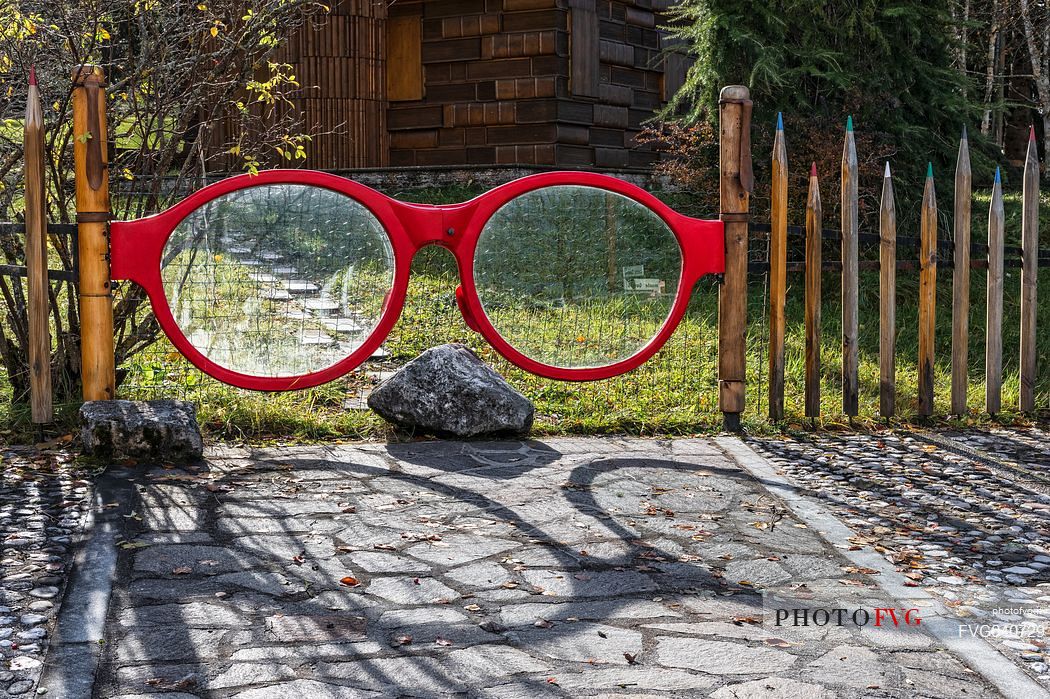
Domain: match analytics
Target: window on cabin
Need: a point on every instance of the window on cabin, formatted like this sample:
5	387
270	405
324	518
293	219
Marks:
404	59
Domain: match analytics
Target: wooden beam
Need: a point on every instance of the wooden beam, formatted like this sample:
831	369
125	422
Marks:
1029	273
850	275
887	299
993	342
778	274
813	277
961	280
735	183
36	259
927	294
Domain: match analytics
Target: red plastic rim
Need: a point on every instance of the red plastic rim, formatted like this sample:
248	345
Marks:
137	247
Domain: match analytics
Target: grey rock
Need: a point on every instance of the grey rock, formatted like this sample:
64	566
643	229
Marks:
720	657
304	688
773	688
449	390
581	641
158	429
20	687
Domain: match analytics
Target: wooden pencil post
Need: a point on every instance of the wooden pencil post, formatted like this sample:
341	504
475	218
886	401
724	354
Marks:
777	274
850	275
927	293
736	180
814	224
961	281
1029	273
993	348
93	213
36	259
887	299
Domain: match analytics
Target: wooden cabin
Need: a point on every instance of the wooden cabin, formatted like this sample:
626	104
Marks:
558	83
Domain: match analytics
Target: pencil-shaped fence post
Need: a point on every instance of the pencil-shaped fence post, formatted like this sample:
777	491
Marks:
777	274
92	195
961	280
814	225
1029	272
927	293
736	180
993	347
850	264
887	299
36	259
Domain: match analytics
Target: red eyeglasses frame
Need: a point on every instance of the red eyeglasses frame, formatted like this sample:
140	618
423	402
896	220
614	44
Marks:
137	246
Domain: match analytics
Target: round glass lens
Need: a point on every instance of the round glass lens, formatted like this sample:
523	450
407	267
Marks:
278	280
577	277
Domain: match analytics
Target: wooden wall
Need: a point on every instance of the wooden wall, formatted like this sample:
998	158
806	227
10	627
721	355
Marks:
341	67
481	82
532	82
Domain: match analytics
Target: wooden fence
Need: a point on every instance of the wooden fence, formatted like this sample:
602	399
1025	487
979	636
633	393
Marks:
959	253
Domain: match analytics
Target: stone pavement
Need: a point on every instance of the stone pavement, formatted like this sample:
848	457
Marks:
555	568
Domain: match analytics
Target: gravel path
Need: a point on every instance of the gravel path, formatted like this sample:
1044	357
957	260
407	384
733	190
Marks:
43	496
964	514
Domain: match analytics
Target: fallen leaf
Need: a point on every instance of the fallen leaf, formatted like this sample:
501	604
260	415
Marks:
542	623
631	658
442	641
403	640
740	620
602	634
182	570
777	642
350	581
298	560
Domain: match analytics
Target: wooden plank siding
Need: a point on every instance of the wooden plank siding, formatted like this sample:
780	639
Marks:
560	83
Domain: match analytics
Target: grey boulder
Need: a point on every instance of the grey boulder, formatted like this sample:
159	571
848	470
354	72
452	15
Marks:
448	390
161	430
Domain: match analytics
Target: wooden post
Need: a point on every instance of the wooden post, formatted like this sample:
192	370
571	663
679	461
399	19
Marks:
961	280
993	347
777	274
814	223
887	299
735	183
927	292
92	195
36	259
1029	272
850	274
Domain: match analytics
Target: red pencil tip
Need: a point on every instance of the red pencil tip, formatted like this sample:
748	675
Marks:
813	170
32	75
1031	132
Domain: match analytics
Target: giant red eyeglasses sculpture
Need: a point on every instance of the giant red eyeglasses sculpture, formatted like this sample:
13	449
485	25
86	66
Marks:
291	278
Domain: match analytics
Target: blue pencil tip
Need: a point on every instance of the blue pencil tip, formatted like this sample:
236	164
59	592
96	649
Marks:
849	123
780	121
998	180
929	169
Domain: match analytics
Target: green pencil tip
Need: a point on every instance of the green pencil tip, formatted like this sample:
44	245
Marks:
849	123
929	169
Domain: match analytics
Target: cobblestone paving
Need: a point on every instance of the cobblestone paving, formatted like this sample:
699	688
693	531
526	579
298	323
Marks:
562	568
42	501
965	513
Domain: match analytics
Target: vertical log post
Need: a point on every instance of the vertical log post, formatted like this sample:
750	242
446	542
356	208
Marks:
850	275
777	274
887	299
993	348
927	292
814	223
1029	273
93	213
961	280
36	259
735	183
